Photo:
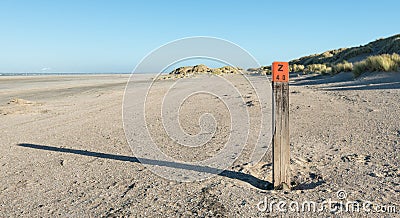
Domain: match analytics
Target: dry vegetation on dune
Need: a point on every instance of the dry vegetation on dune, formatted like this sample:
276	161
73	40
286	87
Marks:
378	63
381	46
381	55
264	70
342	67
188	71
296	68
320	68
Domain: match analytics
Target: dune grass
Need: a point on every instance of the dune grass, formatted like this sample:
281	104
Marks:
296	68
378	63
318	68
342	67
387	45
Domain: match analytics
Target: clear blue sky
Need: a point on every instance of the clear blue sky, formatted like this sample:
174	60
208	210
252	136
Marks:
113	36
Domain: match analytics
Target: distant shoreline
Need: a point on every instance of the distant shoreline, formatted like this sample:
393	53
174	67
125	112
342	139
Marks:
61	74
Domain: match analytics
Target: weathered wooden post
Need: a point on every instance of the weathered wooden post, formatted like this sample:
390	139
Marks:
280	139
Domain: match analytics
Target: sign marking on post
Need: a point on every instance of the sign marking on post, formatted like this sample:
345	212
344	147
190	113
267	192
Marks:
280	72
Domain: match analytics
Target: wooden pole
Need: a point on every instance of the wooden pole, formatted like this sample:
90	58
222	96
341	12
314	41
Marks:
280	139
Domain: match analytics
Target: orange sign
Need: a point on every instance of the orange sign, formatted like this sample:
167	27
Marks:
280	72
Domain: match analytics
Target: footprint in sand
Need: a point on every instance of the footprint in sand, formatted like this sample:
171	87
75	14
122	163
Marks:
356	158
262	170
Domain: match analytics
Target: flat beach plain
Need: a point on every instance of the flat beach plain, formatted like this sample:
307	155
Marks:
63	151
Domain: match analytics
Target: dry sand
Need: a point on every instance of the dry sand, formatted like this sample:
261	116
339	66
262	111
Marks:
63	150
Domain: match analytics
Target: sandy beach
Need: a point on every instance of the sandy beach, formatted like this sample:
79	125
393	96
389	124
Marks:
63	150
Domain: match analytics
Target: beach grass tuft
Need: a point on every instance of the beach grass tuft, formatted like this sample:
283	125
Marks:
378	63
